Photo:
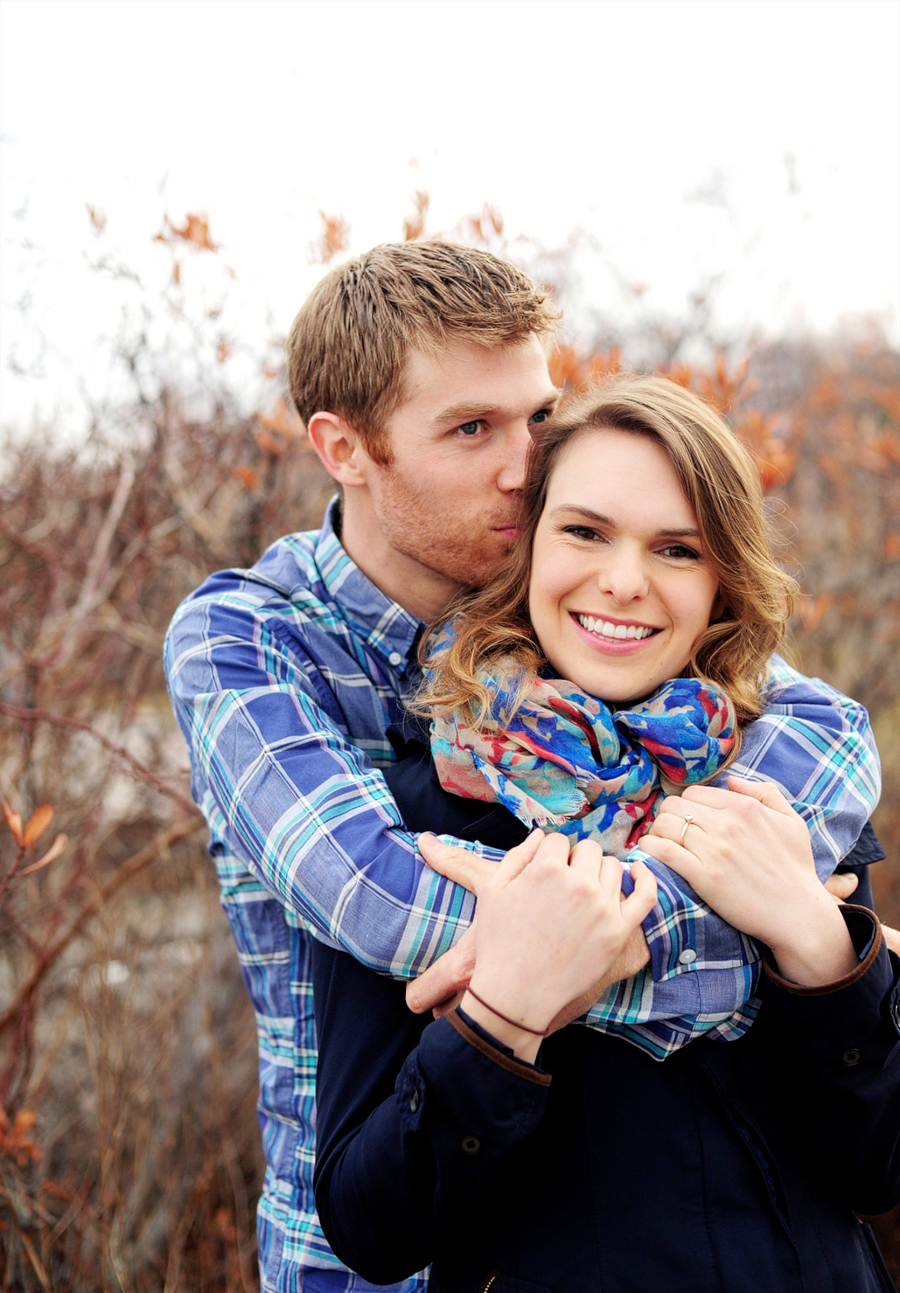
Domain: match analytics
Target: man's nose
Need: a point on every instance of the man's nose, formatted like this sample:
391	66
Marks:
511	476
623	575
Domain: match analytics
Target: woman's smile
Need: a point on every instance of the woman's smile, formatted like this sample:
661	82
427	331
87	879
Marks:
620	587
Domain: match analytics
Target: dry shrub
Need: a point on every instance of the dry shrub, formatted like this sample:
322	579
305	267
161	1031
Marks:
129	1152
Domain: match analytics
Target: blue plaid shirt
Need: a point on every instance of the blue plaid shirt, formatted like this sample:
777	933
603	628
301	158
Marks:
284	679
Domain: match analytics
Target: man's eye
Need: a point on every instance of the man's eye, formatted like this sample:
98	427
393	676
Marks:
469	428
540	416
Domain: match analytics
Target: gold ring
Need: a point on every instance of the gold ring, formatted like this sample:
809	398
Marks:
688	818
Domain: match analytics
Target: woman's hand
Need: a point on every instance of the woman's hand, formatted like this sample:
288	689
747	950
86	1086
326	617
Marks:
748	855
550	923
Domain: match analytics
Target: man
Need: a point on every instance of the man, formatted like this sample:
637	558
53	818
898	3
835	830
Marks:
420	373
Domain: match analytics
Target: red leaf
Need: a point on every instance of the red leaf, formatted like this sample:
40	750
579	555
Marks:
13	821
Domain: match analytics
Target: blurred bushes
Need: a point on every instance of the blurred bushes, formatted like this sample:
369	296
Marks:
129	1155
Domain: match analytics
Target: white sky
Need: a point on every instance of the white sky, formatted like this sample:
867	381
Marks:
607	116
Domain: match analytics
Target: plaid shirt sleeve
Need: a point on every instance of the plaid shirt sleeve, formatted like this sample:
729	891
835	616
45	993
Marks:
285	789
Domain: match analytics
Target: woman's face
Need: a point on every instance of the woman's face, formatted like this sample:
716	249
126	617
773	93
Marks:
620	586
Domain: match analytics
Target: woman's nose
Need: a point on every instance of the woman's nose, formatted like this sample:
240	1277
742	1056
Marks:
623	576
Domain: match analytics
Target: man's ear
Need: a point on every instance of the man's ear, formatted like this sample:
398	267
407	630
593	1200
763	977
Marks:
339	448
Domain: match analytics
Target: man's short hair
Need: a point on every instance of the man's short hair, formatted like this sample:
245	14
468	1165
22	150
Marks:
347	347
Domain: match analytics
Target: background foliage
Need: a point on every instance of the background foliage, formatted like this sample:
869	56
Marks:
129	1155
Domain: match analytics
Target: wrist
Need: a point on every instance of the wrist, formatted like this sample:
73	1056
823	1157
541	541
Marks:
521	1040
818	950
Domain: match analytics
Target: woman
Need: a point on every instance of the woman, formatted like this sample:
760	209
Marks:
575	1162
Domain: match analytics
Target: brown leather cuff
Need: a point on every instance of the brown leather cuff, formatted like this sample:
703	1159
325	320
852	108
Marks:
508	1062
823	989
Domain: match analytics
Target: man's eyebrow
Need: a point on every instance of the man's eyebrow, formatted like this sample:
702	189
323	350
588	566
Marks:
576	509
468	412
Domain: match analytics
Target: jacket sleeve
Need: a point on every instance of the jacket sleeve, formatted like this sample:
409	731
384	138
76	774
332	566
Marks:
837	1054
401	1159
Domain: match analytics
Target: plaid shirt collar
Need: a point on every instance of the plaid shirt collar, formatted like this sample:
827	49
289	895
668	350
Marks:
382	624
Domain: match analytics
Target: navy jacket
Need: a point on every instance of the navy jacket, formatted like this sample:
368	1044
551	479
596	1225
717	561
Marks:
728	1168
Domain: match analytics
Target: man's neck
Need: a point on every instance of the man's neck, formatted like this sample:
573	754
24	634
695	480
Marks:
423	593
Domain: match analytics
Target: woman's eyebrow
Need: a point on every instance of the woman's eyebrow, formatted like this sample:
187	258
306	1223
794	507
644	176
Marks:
576	509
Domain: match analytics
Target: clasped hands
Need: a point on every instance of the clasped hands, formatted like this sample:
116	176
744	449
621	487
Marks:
745	852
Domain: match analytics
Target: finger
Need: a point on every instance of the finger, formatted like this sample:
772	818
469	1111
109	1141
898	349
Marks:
456	863
678	823
841	886
448	975
641	901
611	870
586	855
537	843
891	938
669	852
764	791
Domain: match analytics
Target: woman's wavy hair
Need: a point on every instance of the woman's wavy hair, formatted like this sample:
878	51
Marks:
720	481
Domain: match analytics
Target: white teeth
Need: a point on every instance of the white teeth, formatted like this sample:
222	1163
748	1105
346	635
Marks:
616	631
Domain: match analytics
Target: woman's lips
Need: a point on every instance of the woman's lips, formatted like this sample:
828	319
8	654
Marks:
599	641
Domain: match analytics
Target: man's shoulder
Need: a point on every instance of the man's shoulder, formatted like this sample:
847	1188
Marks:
786	689
285	594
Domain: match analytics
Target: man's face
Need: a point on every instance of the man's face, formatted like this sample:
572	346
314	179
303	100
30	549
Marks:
447	503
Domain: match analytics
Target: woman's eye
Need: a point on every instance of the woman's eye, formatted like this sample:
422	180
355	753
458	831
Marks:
581	532
469	428
680	552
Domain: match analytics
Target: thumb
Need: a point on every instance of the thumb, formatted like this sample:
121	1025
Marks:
449	974
455	863
764	791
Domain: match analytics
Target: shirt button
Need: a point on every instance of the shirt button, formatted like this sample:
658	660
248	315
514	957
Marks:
414	1101
395	657
687	957
851	1057
470	1144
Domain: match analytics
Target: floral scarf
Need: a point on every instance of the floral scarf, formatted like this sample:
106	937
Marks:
566	761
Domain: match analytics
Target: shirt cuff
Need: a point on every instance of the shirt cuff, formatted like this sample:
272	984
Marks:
865	931
472	1032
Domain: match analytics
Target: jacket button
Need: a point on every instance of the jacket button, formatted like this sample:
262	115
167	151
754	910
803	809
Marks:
414	1101
897	1013
470	1145
851	1056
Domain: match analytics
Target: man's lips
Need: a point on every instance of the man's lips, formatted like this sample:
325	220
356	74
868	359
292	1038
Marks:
510	532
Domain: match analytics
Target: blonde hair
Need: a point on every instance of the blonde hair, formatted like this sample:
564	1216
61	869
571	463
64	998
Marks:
348	344
721	483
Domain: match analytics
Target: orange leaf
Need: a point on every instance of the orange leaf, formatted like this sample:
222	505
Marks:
51	855
247	476
13	821
40	820
223	350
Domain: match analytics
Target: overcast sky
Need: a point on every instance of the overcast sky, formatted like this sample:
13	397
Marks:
760	138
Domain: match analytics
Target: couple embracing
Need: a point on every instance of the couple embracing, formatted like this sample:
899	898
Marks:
664	1056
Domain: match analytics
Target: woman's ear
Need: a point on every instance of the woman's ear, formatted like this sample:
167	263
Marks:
339	448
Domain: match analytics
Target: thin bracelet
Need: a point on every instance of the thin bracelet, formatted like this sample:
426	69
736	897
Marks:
513	1023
